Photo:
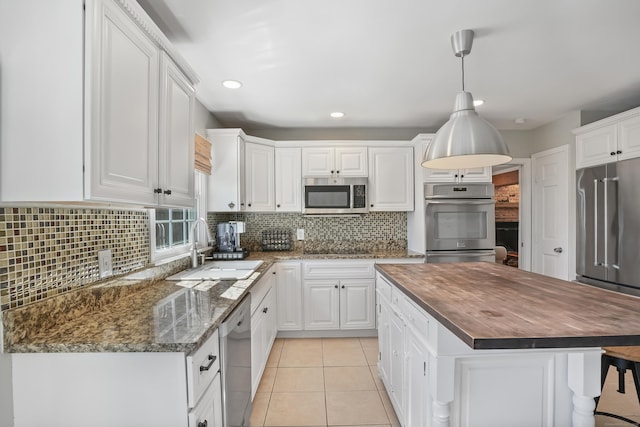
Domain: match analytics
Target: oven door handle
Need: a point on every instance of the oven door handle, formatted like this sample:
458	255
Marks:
461	202
461	253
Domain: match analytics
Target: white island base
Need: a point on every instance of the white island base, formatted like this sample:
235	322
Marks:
434	379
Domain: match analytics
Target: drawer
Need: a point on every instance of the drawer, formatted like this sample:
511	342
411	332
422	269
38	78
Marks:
202	367
383	287
415	317
208	411
338	269
261	288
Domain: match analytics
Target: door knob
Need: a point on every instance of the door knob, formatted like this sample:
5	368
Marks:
557	250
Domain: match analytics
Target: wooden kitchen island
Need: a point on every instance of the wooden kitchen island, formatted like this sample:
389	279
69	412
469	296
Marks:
486	345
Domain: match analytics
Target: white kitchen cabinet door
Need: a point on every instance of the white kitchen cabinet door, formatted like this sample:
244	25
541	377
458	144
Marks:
335	162
384	342
259	178
176	139
208	412
226	192
597	147
418	403
289	296
288	180
396	364
475	174
321	304
357	304
391	179
629	138
351	162
123	76
318	162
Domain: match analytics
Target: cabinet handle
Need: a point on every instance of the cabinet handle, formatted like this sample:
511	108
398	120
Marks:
203	423
157	190
455	176
277	206
249	205
167	192
342	286
264	310
273	272
335	286
371	204
613	153
212	359
618	152
461	176
231	205
331	171
337	171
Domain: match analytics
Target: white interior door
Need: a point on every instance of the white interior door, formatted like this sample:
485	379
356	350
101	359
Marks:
551	201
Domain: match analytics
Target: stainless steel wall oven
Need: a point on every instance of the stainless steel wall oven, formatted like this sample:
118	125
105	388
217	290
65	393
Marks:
460	222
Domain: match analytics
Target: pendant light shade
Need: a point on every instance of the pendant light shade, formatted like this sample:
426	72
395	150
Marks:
466	140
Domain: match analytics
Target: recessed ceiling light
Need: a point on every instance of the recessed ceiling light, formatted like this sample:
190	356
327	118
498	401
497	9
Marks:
231	84
520	120
478	102
337	114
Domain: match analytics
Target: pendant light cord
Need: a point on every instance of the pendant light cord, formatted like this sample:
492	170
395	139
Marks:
462	59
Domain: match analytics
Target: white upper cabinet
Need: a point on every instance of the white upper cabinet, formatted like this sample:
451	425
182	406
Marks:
458	175
177	101
226	192
609	140
334	162
288	180
391	179
259	178
114	112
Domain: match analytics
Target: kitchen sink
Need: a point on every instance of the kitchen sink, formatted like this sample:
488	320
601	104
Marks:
219	270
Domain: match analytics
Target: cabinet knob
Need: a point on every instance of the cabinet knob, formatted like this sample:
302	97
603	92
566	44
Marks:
331	171
167	192
461	176
277	206
249	205
613	153
455	176
231	205
342	286
157	190
371	204
337	171
264	310
204	423
618	152
273	272
335	286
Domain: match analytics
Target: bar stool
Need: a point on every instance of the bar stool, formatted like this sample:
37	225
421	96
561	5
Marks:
622	358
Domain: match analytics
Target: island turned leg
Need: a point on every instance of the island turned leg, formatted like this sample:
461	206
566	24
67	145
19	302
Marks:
584	382
441	383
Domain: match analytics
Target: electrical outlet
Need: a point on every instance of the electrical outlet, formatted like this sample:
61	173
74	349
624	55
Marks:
300	233
104	263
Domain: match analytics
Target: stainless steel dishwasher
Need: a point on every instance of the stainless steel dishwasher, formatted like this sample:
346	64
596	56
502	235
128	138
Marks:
235	365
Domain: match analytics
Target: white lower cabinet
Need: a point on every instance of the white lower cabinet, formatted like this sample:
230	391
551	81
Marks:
263	325
339	294
289	296
417	412
118	389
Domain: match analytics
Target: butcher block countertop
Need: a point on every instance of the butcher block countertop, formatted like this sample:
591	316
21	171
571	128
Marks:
492	306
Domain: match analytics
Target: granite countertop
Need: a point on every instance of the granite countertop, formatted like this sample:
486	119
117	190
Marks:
492	306
143	313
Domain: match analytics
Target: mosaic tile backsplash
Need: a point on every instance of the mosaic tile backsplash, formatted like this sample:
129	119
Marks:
372	231
47	251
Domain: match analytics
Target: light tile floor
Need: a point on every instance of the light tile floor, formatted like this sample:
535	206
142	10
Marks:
322	382
334	382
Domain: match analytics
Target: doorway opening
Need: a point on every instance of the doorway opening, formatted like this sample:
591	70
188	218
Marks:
506	181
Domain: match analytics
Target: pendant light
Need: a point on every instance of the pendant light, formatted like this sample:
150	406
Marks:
466	140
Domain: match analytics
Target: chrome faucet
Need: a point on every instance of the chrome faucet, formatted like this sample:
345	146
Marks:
192	239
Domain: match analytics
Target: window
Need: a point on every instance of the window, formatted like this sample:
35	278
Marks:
169	227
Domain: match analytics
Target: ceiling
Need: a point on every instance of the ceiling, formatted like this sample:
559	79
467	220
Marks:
389	63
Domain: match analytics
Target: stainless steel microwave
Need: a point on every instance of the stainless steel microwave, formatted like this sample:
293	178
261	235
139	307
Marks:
335	196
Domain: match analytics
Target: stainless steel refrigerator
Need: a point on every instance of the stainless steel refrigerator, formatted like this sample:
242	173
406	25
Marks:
608	225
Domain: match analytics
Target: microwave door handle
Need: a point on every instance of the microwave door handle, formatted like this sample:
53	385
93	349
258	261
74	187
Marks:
461	202
595	222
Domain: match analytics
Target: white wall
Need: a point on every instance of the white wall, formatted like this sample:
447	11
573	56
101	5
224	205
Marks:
203	120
